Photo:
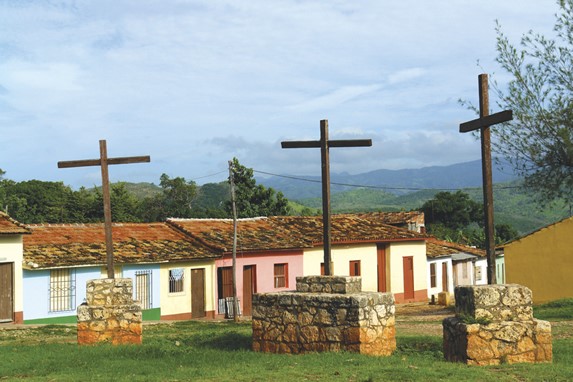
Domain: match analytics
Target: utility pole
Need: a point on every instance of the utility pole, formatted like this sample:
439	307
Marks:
234	208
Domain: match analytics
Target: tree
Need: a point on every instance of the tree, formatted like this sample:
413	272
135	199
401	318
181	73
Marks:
453	211
255	200
124	205
538	143
175	200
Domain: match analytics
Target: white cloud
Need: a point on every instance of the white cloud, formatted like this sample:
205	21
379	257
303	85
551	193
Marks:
194	83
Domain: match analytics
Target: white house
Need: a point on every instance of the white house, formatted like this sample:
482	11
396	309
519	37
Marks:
11	298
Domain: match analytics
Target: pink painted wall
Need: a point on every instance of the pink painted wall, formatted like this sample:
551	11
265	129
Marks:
264	264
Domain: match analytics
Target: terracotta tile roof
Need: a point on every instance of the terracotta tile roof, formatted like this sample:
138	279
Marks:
255	234
9	226
350	228
399	217
438	248
84	244
290	232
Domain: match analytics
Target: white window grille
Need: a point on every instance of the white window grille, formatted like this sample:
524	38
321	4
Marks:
62	293
143	294
176	277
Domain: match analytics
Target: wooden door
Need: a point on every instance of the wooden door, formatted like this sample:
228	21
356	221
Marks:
198	293
381	251
6	292
444	277
249	287
408	263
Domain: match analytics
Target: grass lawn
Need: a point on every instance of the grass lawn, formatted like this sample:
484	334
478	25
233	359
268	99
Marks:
220	351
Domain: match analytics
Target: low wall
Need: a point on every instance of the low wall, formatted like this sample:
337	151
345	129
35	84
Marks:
325	313
110	314
494	324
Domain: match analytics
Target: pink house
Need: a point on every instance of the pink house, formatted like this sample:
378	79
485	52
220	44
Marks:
269	258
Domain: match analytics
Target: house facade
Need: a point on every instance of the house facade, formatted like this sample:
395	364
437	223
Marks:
11	284
60	259
452	264
268	257
388	258
543	261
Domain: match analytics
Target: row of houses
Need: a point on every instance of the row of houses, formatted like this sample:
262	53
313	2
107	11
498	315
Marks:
182	268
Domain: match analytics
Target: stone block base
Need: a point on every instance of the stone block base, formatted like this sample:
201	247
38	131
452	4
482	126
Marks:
119	324
300	322
110	314
497	342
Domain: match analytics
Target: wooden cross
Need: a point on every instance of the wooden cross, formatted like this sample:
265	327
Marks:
483	123
324	144
104	161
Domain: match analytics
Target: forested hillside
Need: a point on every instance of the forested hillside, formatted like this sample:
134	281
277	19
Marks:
512	205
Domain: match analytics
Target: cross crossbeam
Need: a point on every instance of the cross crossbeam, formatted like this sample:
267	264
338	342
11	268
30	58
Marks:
103	162
325	144
483	123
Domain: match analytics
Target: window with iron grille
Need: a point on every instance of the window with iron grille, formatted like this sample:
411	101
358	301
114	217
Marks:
432	275
62	292
176	277
143	288
281	275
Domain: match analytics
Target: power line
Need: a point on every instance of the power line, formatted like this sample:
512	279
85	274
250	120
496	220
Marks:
376	187
210	175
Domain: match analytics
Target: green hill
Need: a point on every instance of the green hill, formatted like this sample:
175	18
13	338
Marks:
511	204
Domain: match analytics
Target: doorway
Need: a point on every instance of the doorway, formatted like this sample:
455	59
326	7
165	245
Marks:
6	292
408	263
249	287
198	293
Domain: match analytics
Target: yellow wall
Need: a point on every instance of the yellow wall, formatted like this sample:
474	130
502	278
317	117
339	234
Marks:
543	262
11	251
180	303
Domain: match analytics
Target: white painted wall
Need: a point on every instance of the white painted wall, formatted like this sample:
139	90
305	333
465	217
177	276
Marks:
439	287
480	266
397	251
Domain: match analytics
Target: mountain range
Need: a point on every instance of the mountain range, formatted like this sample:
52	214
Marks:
398	182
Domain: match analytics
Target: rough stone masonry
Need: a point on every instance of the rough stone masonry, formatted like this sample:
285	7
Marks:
110	314
494	324
325	313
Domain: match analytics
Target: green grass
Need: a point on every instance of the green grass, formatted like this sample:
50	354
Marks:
211	351
555	310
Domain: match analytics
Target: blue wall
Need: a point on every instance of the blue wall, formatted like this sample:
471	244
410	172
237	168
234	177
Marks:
36	286
36	292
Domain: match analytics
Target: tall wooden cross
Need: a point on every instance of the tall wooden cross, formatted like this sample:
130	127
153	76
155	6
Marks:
483	123
325	144
103	162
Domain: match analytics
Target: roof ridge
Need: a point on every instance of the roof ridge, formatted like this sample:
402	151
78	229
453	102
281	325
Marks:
217	219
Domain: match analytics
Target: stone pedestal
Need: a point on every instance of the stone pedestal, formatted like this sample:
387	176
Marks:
325	313
110	314
494	324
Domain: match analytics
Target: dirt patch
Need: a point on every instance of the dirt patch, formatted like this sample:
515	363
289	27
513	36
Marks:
421	318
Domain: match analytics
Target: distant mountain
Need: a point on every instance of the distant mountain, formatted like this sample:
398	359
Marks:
398	182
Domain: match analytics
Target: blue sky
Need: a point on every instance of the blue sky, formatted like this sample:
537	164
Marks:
195	83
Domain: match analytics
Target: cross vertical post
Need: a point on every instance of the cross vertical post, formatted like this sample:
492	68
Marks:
106	209
324	144
483	123
103	162
326	212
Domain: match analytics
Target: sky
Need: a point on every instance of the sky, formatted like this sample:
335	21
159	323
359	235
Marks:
193	83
